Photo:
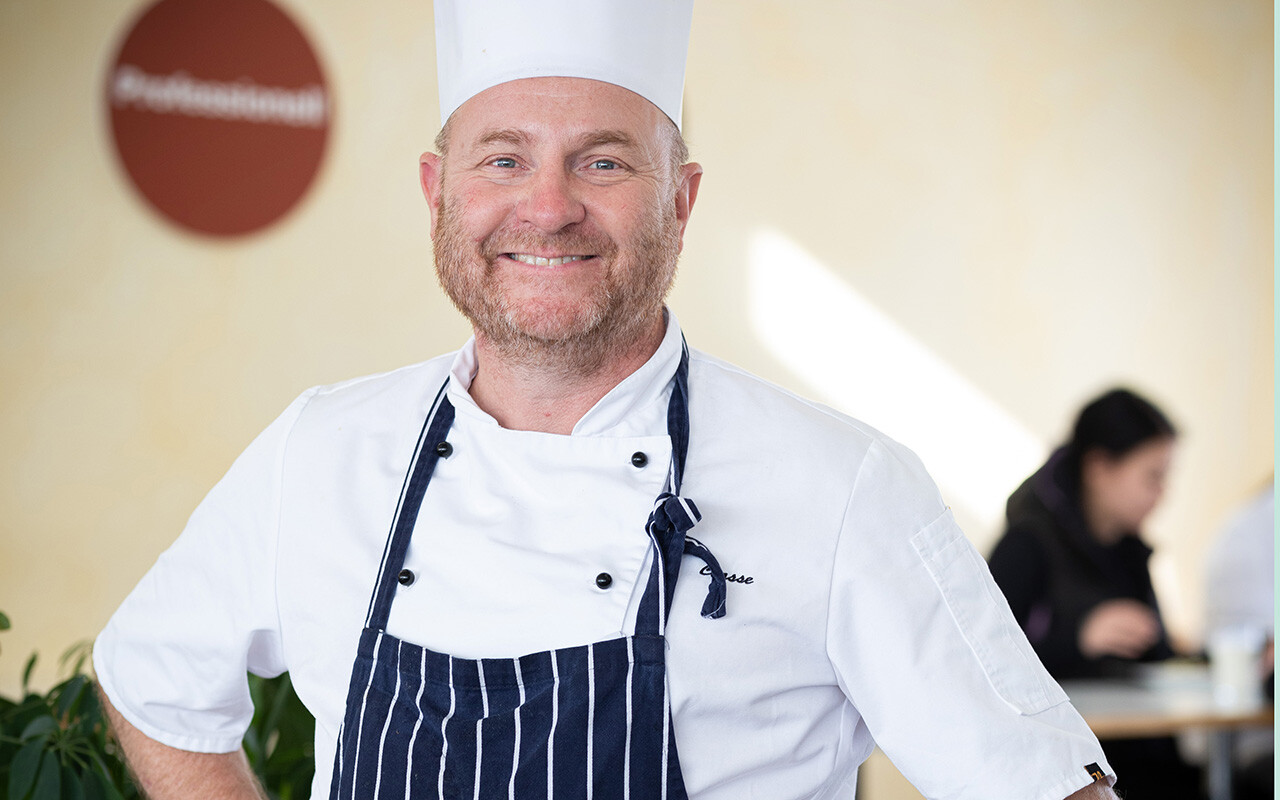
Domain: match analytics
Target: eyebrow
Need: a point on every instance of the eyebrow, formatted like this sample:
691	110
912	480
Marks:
600	138
510	136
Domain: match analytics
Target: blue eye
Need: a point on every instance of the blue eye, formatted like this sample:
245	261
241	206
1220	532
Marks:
505	163
604	164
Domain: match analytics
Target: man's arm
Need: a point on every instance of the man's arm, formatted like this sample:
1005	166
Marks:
164	772
1098	790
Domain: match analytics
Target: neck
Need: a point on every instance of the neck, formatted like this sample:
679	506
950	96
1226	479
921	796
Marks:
548	388
1103	529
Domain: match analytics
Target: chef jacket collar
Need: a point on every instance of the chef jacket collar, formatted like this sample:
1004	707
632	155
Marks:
635	407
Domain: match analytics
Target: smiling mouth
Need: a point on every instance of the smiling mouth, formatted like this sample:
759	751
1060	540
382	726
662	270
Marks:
539	261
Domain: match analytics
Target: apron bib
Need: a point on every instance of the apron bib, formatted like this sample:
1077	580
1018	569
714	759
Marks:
578	722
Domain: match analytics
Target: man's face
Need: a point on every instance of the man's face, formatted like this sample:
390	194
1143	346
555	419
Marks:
558	214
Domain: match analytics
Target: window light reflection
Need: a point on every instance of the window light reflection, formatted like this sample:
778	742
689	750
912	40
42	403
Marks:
853	357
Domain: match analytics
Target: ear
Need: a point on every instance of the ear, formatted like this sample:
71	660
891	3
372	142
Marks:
430	173
686	194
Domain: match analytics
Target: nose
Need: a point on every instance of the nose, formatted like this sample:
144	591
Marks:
550	202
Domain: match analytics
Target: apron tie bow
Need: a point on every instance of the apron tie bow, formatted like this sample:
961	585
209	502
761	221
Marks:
669	523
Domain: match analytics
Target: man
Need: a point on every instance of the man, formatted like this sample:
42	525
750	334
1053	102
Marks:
539	621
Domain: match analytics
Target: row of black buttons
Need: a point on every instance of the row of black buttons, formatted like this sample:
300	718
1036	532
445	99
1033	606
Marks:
406	577
638	459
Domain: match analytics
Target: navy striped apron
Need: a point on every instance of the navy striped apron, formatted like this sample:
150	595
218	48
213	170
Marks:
579	722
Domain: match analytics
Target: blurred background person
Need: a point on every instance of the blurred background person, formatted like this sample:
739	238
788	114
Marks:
1071	561
1074	567
1240	578
1240	606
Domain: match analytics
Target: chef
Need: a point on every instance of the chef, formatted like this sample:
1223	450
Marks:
578	558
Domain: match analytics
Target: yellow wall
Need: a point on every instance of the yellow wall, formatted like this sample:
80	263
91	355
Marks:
1020	202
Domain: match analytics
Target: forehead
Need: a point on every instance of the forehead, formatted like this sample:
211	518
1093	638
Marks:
1153	454
555	109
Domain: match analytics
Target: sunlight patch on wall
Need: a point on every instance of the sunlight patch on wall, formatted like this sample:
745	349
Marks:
853	357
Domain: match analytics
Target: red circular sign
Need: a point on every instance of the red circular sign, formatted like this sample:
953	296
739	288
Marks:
219	111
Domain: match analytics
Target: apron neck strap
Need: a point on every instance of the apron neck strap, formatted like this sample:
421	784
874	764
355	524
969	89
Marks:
678	418
432	446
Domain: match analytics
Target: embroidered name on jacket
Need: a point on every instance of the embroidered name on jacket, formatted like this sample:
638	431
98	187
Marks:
732	577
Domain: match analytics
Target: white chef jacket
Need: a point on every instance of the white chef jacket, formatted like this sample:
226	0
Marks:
858	613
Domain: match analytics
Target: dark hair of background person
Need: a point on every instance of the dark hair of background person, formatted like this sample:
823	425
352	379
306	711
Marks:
1116	423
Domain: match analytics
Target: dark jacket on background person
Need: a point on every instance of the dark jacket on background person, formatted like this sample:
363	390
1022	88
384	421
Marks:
1054	572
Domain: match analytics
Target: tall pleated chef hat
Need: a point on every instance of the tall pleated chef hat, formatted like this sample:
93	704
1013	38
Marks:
637	44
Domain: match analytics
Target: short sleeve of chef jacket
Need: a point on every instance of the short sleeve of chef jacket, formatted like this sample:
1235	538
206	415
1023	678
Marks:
927	650
173	658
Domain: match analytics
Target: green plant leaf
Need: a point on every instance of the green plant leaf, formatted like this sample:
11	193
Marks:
49	781
73	659
70	694
40	728
72	786
22	772
107	782
283	691
18	717
90	709
26	673
93	787
4	622
112	793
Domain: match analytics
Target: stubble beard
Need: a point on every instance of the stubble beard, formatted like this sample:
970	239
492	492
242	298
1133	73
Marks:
610	323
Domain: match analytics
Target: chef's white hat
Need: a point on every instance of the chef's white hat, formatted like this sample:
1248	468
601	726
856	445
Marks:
637	44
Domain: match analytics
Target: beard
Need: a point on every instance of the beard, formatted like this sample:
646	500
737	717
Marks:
617	299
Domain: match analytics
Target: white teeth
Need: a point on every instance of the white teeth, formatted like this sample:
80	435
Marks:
539	261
